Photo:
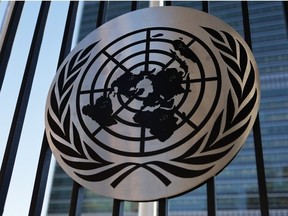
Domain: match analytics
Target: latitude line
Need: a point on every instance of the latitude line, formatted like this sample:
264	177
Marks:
182	116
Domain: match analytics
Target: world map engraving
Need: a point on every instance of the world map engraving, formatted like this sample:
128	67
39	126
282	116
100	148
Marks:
156	89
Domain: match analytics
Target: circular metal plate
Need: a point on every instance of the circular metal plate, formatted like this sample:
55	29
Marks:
144	109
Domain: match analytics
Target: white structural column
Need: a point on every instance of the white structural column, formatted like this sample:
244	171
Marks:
147	209
156	3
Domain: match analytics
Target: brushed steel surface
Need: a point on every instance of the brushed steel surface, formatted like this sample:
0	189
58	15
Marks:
149	108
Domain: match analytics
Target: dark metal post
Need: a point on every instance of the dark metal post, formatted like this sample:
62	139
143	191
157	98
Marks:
256	128
21	106
163	207
102	13
260	168
205	6
211	199
9	38
285	8
134	5
40	179
167	3
118	208
68	32
76	200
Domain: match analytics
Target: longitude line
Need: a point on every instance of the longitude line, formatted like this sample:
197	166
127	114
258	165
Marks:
110	57
191	42
114	114
142	142
147	48
193	125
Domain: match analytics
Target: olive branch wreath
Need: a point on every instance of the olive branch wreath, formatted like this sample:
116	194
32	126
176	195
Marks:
67	140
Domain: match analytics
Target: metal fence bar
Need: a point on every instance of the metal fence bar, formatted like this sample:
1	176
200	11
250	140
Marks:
76	200
102	13
40	179
211	198
8	40
68	32
163	207
285	8
134	5
256	128
45	154
260	168
118	208
205	6
168	3
21	106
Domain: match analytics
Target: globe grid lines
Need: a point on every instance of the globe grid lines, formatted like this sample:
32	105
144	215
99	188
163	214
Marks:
119	64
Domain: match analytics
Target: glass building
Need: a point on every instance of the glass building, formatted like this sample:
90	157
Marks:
236	187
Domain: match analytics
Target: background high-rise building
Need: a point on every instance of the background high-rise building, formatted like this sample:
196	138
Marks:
236	187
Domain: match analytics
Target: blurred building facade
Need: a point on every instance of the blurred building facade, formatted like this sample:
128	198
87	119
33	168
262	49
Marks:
236	187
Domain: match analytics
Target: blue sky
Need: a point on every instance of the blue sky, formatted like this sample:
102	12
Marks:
20	191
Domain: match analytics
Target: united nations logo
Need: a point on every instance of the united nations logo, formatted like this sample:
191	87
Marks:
146	109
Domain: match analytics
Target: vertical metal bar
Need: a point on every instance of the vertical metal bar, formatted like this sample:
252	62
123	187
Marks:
246	23
285	8
134	5
260	168
76	200
205	6
102	13
256	128
21	106
9	36
211	199
118	208
40	179
167	3
68	31
45	154
163	207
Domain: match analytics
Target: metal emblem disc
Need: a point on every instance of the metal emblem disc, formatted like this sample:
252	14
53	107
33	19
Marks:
152	104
